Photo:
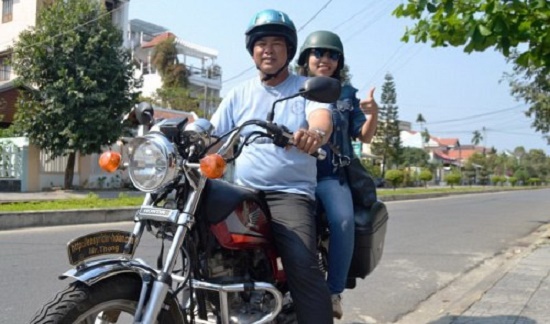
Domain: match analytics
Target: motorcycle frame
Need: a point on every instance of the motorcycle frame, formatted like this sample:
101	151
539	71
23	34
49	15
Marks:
159	282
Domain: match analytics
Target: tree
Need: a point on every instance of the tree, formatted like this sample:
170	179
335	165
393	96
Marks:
518	29
388	141
420	119
165	60
395	177
532	85
425	136
481	24
453	178
174	92
477	138
81	79
426	175
413	156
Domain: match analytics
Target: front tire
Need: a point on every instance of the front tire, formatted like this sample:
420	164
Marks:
115	299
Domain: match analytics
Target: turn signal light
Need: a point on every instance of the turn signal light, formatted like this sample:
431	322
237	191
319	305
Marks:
109	161
212	166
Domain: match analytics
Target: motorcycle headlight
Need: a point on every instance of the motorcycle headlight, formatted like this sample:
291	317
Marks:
153	162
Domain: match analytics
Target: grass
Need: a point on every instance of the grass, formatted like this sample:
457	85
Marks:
90	201
93	201
447	190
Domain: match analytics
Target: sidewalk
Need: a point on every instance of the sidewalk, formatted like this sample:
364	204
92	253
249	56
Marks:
511	288
62	194
521	296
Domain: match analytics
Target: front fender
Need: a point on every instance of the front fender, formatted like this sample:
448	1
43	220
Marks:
95	271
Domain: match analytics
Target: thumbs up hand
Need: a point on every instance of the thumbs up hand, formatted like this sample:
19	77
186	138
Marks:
368	105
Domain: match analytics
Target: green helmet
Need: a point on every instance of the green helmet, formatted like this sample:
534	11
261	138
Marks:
321	39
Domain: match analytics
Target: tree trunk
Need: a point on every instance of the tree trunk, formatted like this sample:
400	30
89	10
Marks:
69	171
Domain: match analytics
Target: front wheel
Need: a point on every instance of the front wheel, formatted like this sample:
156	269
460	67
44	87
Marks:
113	300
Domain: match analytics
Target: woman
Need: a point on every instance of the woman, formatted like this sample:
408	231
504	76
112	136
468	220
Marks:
322	54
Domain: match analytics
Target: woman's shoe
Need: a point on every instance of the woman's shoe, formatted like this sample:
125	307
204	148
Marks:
337	311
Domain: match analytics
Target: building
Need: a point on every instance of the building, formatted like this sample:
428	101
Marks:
19	15
204	75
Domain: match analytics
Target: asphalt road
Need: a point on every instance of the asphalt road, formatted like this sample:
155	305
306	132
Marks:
430	243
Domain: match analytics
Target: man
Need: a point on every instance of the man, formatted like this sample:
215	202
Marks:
286	175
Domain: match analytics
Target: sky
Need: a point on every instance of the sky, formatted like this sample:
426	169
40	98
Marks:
456	93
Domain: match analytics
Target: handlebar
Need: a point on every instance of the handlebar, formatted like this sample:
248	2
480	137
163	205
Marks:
280	135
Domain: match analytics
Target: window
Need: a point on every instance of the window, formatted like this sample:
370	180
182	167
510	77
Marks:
7	11
5	69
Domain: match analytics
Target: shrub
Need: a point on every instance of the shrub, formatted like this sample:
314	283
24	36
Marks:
395	177
453	178
426	175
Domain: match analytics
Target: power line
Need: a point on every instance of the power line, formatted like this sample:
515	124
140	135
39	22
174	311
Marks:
353	16
475	116
377	16
315	15
382	67
238	75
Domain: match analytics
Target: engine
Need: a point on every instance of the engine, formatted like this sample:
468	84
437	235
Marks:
248	266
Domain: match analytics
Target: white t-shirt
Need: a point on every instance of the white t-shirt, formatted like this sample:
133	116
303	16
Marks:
262	165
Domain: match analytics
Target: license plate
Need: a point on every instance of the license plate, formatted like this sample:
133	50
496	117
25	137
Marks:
101	243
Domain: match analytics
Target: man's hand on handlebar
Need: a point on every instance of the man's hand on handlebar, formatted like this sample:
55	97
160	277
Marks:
307	141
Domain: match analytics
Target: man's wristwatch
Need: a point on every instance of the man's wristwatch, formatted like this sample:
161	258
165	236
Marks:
321	134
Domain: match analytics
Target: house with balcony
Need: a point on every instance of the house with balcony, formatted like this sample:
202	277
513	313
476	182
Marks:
204	74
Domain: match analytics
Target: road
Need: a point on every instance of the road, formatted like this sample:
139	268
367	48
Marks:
429	245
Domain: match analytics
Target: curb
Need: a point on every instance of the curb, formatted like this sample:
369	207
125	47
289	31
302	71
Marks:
15	220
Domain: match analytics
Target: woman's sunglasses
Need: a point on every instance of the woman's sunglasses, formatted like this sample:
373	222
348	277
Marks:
320	52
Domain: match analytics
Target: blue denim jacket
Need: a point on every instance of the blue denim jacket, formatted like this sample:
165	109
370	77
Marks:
347	121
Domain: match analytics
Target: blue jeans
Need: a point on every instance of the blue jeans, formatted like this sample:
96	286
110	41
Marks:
335	199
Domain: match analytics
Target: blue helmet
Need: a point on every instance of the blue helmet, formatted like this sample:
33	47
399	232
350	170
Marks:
271	22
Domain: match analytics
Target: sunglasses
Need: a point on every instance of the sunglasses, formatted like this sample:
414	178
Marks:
320	52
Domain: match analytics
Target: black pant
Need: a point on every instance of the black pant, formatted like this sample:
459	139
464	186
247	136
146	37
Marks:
293	225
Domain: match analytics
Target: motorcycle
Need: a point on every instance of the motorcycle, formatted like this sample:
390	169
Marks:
221	265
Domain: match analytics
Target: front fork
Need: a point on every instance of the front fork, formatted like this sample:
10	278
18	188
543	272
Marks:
163	282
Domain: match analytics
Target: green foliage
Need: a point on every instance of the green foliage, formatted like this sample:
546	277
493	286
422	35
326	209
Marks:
374	170
165	59
426	175
522	175
176	98
532	85
91	201
9	132
517	29
477	138
395	177
453	178
498	180
481	24
534	181
81	79
413	156
387	142
513	181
